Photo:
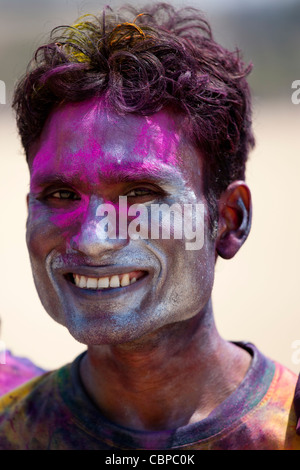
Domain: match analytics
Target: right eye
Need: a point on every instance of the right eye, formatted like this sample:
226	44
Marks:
64	194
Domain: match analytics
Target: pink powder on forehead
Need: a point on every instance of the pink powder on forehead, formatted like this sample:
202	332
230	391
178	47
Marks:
95	136
158	136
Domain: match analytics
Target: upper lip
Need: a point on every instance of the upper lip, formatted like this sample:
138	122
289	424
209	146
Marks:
100	271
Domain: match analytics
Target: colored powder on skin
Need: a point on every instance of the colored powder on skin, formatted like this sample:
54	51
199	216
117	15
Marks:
16	371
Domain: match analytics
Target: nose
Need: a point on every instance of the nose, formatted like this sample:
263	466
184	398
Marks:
98	232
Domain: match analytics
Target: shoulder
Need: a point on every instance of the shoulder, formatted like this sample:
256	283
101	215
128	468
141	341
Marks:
24	411
268	418
284	383
276	411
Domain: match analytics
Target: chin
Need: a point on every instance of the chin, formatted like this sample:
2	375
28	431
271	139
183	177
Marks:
105	331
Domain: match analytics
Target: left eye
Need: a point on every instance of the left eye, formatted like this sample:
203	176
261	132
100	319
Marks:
64	194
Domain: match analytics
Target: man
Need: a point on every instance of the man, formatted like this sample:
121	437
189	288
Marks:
119	117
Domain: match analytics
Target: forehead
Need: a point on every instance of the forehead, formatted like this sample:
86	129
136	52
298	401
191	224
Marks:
91	139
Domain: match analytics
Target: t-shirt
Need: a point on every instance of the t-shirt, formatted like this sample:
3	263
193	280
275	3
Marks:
15	370
54	412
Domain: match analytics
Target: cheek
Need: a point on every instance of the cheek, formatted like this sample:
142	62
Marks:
43	235
191	273
188	281
47	229
196	282
40	239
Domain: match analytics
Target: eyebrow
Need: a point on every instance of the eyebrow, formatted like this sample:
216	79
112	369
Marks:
157	173
42	180
132	171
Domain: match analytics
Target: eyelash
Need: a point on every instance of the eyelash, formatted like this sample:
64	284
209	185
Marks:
144	191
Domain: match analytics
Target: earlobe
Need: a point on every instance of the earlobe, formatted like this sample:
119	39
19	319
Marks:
235	213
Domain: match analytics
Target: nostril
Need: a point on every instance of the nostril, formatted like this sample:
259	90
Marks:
93	245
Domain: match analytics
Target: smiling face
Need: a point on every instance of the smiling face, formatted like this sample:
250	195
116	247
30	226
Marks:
118	289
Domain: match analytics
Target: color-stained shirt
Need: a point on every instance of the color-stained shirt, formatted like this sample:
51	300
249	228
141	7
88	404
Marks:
54	412
15	370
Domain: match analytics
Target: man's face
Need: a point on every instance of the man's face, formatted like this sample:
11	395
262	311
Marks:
108	291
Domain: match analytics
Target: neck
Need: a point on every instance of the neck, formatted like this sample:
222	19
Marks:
170	378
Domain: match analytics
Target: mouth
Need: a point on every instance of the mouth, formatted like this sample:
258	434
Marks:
106	282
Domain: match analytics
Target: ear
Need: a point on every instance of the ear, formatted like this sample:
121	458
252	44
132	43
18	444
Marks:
235	214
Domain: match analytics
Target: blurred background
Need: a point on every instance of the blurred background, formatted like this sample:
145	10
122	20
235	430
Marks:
256	295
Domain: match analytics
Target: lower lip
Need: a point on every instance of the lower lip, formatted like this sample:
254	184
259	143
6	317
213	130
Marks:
109	291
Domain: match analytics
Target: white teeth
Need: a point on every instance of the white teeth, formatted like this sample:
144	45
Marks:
122	280
103	282
125	280
114	281
92	283
82	281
